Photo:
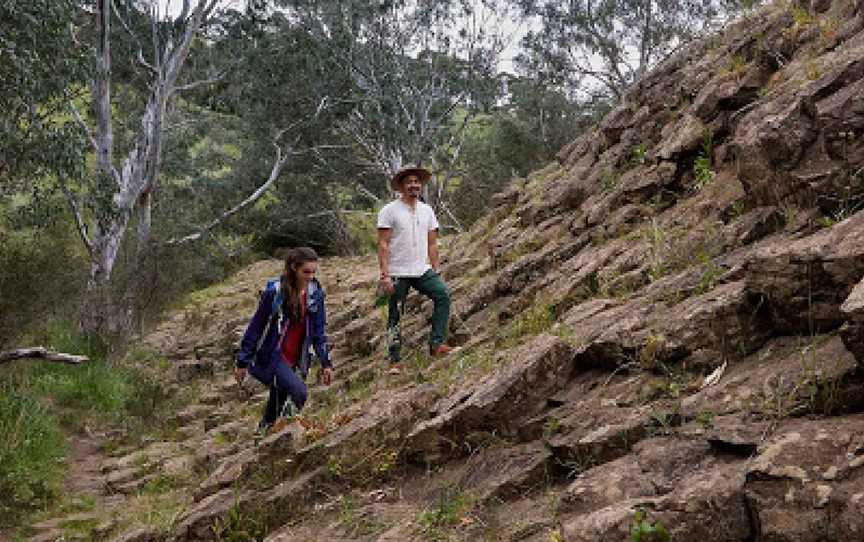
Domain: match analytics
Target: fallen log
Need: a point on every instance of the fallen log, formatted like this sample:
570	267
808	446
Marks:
42	352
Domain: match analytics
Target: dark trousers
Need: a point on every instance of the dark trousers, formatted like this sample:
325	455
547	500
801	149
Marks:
432	286
286	385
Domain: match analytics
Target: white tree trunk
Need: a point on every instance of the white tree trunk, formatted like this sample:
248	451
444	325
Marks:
133	184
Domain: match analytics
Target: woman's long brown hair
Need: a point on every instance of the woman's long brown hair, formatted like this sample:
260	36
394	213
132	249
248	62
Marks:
291	282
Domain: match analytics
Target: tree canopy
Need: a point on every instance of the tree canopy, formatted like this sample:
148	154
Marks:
211	130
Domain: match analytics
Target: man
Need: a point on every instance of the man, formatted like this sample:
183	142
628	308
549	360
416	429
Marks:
408	258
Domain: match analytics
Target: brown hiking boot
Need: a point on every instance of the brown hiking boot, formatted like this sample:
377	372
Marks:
395	369
441	350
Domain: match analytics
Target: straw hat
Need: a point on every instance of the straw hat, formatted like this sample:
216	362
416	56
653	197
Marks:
423	174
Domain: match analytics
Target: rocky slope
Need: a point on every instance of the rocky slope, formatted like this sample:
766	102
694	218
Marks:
709	225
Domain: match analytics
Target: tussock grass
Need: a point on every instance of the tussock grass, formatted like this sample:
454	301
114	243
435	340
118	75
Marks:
40	402
31	454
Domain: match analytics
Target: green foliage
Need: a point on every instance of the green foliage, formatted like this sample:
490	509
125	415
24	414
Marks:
40	400
238	526
42	268
362	237
702	167
451	506
736	211
609	180
532	321
711	272
705	418
571	467
40	59
736	66
551	427
356	523
643	530
89	393
31	454
571	32
802	16
652	352
512	141
638	154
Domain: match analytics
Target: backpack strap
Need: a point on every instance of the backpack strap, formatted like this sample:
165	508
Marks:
274	285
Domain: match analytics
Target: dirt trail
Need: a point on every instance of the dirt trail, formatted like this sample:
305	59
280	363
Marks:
138	492
84	476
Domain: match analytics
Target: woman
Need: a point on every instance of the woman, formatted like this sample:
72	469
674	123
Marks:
275	348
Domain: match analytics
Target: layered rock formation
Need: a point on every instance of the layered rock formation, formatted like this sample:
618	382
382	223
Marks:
709	224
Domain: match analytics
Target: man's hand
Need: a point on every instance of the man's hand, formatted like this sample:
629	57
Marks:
327	372
386	285
239	375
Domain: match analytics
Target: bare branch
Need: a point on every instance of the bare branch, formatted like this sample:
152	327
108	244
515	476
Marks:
42	352
199	83
80	120
278	164
209	9
183	12
365	191
140	54
101	88
456	224
175	57
76	211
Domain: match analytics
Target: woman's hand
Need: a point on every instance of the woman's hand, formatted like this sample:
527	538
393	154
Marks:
327	373
386	286
239	374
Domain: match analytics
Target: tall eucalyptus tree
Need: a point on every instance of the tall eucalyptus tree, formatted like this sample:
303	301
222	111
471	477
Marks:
606	45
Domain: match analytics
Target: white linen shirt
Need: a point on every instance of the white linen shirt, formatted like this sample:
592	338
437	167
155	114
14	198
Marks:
409	238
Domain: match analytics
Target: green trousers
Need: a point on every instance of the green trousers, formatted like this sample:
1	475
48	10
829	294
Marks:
432	286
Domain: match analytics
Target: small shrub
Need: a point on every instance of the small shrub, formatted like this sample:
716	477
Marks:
802	17
736	66
736	211
238	527
551	427
643	530
450	508
702	167
705	418
652	351
829	30
638	154
812	70
710	273
361	233
572	467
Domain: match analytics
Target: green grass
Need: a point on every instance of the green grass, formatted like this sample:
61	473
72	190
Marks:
538	318
41	401
703	171
644	530
436	522
31	455
355	522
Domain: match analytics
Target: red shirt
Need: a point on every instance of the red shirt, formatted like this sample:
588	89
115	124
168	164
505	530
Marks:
292	339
